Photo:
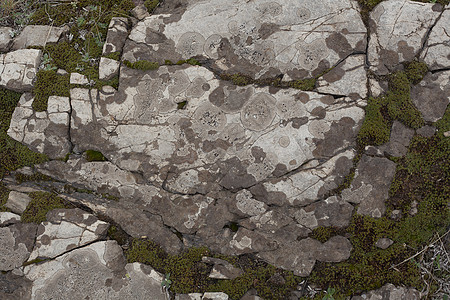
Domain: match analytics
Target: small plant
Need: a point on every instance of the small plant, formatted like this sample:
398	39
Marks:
166	283
329	294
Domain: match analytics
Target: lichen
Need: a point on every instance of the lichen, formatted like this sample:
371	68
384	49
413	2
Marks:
40	204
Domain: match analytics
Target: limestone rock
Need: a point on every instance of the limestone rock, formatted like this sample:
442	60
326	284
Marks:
432	95
18	69
191	296
222	269
437	47
5	38
77	78
46	131
390	292
66	229
257	38
13	287
370	186
397	37
348	78
108	68
8	218
16	243
140	12
117	33
97	271
17	202
401	136
38	35
384	243
215	296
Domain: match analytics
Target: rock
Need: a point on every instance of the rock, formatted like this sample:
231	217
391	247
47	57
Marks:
38	36
401	136
140	12
13	287
108	68
215	296
16	243
426	131
116	36
251	295
191	296
8	218
77	78
43	131
432	95
5	38
18	69
348	78
390	292
395	36
96	271
17	202
384	243
299	39
222	269
65	230
435	53
447	133
370	187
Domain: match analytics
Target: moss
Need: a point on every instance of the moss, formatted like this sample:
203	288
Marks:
307	84
4	193
49	83
64	56
181	105
193	62
113	55
35	261
142	65
415	71
116	233
151	5
233	226
375	129
168	62
40	204
92	155
20	177
323	234
238	79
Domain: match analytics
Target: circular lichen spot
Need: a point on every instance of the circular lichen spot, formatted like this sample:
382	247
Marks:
259	112
304	14
208	120
212	45
190	44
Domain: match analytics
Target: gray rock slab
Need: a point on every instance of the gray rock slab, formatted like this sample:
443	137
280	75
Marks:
5	38
14	287
432	95
426	131
108	68
18	69
399	140
65	230
17	202
16	243
116	36
348	78
370	186
390	292
437	47
258	38
396	36
221	268
38	35
77	78
8	218
47	131
97	271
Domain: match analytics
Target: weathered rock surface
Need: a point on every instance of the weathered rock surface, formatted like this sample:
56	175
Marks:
14	287
77	78
5	38
399	140
398	29
38	35
16	243
64	230
18	69
257	38
8	218
437	47
17	202
384	243
221	268
370	186
97	271
108	68
390	292
47	131
116	36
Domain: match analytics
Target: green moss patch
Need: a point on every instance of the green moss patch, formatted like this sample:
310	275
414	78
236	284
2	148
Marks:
144	65
376	128
20	177
113	55
41	203
49	83
92	155
4	193
151	5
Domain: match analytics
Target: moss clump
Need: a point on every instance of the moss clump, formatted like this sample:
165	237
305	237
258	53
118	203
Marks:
49	83
375	129
92	155
20	177
4	193
307	84
13	155
113	55
191	61
168	62
238	79
116	233
40	204
151	5
323	234
144	65
415	71
64	56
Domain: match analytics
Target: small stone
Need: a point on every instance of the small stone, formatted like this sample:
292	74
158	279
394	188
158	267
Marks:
17	202
413	209
396	214
384	243
427	131
140	12
77	78
108	68
222	269
447	133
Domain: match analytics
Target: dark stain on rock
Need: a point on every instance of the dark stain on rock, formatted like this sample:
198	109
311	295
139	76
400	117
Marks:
339	44
319	111
217	96
302	97
334	75
327	99
405	50
297	73
280	170
334	138
236	176
267	29
388	59
258	153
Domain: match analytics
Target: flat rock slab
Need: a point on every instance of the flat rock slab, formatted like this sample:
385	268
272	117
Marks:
65	230
8	218
398	30
390	292
97	271
257	38
17	202
18	69
16	243
437	47
38	35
